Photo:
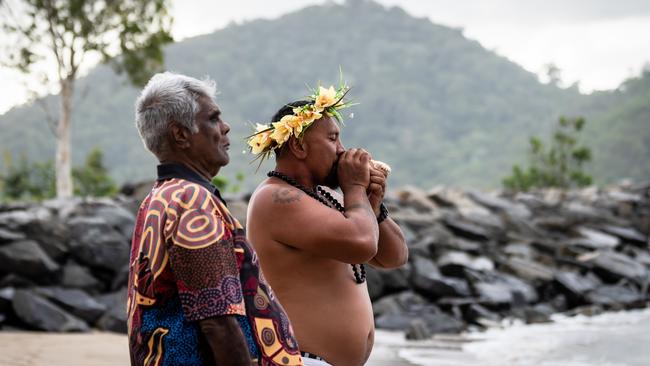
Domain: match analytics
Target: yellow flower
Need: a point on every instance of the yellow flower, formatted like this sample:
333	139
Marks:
260	142
281	133
308	115
325	98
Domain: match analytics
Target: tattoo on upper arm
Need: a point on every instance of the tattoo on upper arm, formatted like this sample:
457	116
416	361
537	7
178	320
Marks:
286	195
366	208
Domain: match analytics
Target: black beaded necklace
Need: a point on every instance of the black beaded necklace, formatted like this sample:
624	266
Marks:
358	269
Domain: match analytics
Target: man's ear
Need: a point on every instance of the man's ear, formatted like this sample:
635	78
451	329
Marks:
298	148
180	136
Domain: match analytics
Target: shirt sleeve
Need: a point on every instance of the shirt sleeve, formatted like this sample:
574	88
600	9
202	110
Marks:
203	261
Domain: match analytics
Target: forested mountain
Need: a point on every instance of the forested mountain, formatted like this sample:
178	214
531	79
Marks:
435	105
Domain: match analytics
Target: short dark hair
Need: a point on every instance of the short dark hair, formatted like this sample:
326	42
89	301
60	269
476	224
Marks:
287	109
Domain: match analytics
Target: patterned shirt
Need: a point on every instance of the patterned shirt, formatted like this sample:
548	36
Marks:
190	261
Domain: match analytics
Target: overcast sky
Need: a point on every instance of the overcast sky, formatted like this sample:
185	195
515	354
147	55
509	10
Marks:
597	43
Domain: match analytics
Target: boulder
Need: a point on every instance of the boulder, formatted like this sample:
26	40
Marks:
74	301
512	209
595	239
96	244
529	270
7	236
77	276
615	266
615	296
41	314
26	258
428	280
454	263
114	319
575	285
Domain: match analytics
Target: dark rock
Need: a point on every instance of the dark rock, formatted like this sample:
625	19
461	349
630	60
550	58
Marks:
396	279
118	218
40	225
6	298
540	313
76	276
418	330
398	303
520	250
96	244
26	258
478	314
578	212
626	233
121	279
615	296
529	270
453	263
17	281
586	310
491	222
74	301
614	266
395	321
575	285
466	229
504	290
442	323
114	319
428	280
7	236
41	314
494	294
501	205
416	220
416	198
595	239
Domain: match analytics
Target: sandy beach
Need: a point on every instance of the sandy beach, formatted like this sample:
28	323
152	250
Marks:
610	339
110	349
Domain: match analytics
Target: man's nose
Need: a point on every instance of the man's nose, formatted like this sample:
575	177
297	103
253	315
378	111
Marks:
225	128
340	149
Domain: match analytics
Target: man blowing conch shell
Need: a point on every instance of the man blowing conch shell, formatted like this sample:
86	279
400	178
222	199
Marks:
313	242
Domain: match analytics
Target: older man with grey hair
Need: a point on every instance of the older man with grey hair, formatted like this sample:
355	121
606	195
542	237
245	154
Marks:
196	292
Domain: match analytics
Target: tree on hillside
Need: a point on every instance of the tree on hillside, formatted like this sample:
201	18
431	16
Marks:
129	34
561	165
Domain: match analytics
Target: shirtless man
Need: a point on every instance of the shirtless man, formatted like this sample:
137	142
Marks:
310	252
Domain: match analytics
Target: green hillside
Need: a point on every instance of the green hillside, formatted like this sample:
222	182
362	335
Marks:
435	105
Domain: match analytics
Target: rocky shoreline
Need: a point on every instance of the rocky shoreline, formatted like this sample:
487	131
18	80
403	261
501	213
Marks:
475	259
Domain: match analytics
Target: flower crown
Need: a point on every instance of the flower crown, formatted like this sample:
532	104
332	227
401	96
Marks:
269	137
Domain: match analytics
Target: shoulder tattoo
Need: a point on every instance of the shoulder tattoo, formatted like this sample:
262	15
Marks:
286	195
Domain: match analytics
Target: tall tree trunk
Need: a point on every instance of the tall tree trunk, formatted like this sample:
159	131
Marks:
63	165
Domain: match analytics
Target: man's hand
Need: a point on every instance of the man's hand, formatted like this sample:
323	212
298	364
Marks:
354	169
376	189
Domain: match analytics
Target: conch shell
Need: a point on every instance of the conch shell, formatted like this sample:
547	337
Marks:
380	165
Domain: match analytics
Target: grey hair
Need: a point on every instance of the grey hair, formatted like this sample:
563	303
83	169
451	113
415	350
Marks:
169	97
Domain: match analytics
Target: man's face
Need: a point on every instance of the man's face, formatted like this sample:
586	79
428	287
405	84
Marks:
209	146
325	148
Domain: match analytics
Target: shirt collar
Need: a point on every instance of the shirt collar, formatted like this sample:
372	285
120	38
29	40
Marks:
177	170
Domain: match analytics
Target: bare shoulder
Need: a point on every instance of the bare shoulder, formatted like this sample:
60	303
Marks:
270	194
